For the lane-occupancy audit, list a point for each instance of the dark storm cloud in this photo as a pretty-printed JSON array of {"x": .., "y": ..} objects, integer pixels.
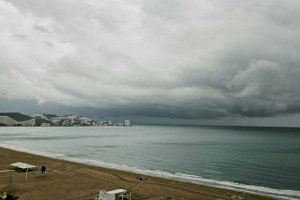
[{"x": 161, "y": 58}]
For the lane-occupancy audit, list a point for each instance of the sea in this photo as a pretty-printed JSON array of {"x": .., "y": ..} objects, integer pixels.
[{"x": 248, "y": 159}]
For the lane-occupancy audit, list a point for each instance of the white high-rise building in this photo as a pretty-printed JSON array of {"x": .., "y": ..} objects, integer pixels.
[{"x": 127, "y": 123}]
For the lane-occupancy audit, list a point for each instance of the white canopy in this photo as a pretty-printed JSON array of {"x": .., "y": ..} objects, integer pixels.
[
  {"x": 21, "y": 165},
  {"x": 117, "y": 191}
]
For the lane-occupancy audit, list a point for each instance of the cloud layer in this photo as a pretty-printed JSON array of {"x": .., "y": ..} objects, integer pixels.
[{"x": 159, "y": 58}]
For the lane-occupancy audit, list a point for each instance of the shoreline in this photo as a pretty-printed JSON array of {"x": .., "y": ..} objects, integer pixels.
[
  {"x": 114, "y": 178},
  {"x": 184, "y": 178}
]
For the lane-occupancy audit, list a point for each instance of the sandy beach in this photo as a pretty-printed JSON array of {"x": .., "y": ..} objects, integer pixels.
[{"x": 69, "y": 180}]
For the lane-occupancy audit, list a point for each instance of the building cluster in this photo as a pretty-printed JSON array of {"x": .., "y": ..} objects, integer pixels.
[{"x": 45, "y": 120}]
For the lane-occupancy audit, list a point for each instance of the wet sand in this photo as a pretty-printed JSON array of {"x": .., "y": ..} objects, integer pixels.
[{"x": 69, "y": 180}]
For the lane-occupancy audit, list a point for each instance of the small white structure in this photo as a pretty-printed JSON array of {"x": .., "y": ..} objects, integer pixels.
[
  {"x": 45, "y": 124},
  {"x": 57, "y": 119},
  {"x": 127, "y": 123},
  {"x": 20, "y": 166},
  {"x": 72, "y": 117},
  {"x": 119, "y": 194},
  {"x": 30, "y": 122}
]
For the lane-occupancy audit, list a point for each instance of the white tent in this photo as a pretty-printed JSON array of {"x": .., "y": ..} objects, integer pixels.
[
  {"x": 118, "y": 194},
  {"x": 22, "y": 166}
]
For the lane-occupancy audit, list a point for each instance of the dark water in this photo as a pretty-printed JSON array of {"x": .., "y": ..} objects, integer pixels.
[{"x": 267, "y": 157}]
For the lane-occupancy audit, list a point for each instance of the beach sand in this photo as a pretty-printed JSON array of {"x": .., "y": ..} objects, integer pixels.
[{"x": 69, "y": 180}]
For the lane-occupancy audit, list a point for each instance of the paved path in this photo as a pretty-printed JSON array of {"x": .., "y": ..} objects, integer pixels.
[{"x": 3, "y": 171}]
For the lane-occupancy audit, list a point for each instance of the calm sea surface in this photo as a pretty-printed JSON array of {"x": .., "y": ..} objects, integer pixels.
[{"x": 268, "y": 157}]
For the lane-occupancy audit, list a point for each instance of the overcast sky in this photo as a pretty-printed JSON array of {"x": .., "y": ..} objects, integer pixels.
[{"x": 161, "y": 59}]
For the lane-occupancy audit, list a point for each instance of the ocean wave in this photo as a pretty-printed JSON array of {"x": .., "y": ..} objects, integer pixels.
[{"x": 260, "y": 190}]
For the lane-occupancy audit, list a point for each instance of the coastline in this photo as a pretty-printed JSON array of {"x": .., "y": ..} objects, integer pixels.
[{"x": 73, "y": 179}]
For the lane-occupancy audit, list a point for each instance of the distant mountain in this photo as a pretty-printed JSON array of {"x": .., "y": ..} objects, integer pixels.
[{"x": 19, "y": 117}]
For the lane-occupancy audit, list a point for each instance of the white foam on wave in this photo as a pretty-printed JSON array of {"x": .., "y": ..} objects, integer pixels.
[{"x": 260, "y": 190}]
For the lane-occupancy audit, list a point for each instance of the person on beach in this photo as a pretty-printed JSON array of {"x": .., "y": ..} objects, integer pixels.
[{"x": 43, "y": 170}]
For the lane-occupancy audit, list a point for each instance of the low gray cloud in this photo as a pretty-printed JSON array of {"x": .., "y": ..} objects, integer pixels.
[{"x": 162, "y": 58}]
